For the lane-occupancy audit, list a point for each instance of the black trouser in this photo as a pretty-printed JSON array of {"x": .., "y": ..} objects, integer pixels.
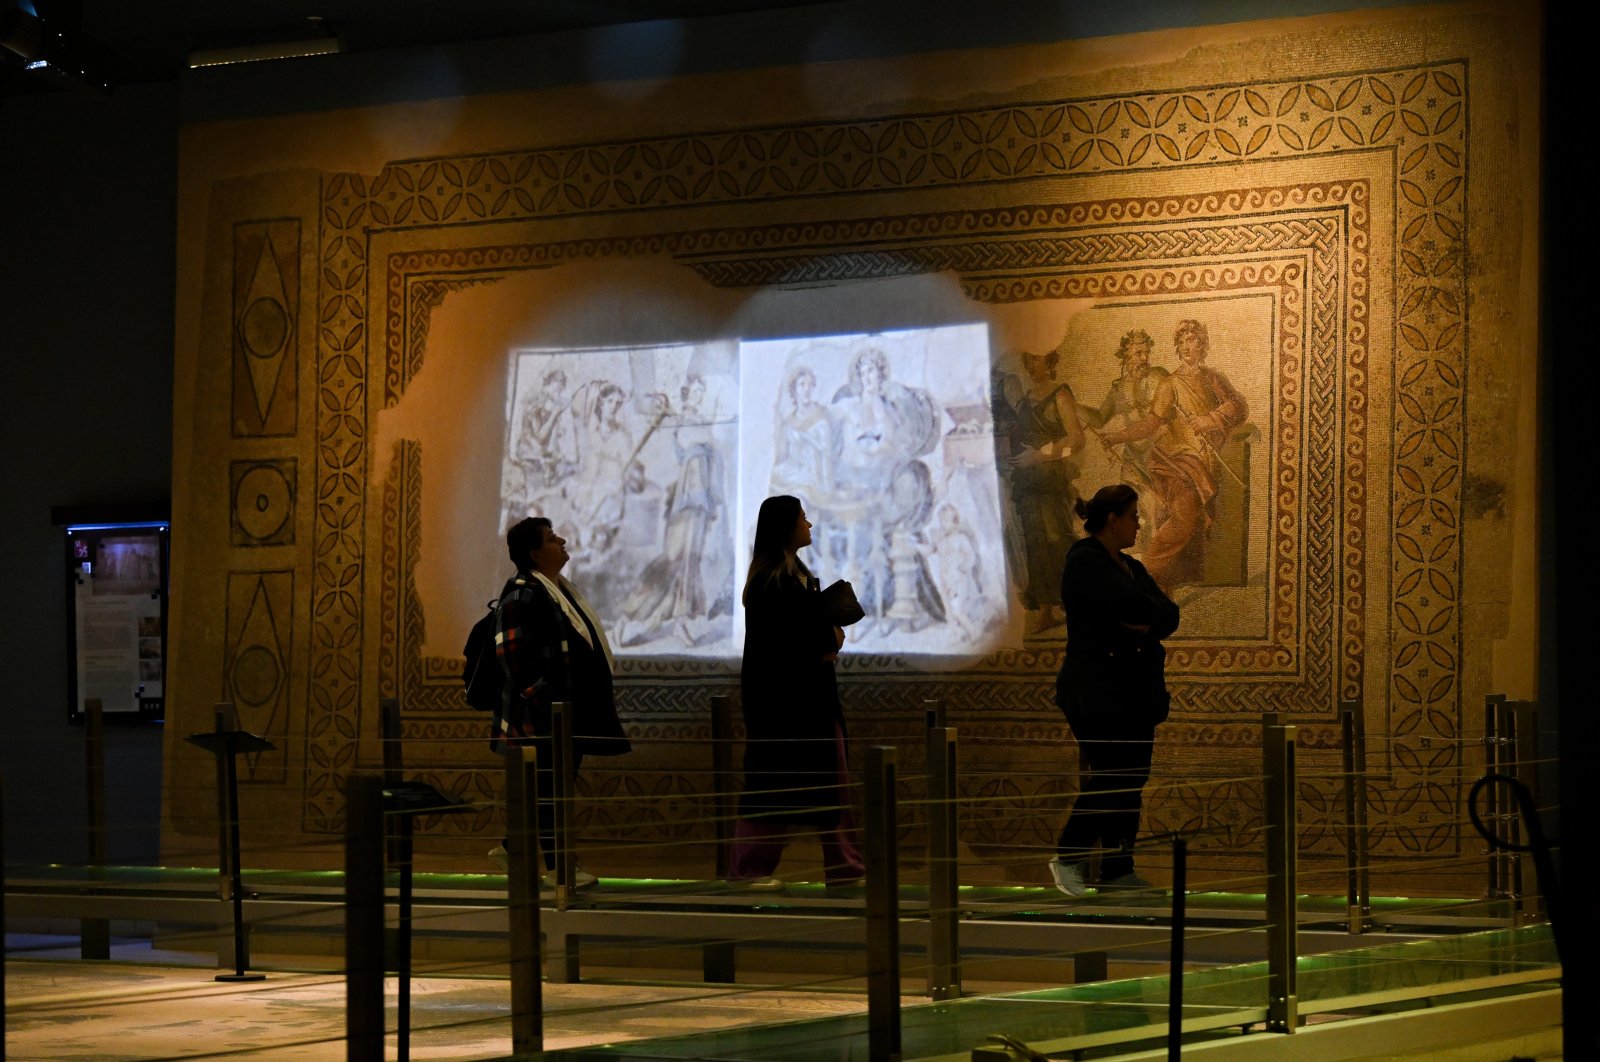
[
  {"x": 1113, "y": 765},
  {"x": 544, "y": 779}
]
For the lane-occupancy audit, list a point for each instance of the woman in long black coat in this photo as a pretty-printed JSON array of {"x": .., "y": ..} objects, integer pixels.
[
  {"x": 794, "y": 763},
  {"x": 1112, "y": 688}
]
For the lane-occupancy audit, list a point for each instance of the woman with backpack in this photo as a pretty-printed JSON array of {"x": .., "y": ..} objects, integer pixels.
[{"x": 551, "y": 644}]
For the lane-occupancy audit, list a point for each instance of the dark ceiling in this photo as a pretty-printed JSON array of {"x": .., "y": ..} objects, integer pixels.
[{"x": 132, "y": 41}]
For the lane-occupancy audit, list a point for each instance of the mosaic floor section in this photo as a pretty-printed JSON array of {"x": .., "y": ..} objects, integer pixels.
[{"x": 104, "y": 1011}]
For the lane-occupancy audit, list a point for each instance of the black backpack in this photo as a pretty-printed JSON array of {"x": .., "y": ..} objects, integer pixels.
[{"x": 483, "y": 676}]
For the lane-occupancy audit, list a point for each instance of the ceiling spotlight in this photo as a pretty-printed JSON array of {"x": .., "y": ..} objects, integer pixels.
[
  {"x": 24, "y": 35},
  {"x": 295, "y": 43},
  {"x": 56, "y": 47}
]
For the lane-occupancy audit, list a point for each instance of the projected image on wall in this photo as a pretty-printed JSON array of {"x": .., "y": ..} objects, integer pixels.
[
  {"x": 652, "y": 462},
  {"x": 888, "y": 441},
  {"x": 630, "y": 452}
]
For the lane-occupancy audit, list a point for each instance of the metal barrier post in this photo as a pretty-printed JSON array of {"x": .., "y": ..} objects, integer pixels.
[
  {"x": 1358, "y": 888},
  {"x": 1522, "y": 718},
  {"x": 883, "y": 907},
  {"x": 522, "y": 831},
  {"x": 389, "y": 737},
  {"x": 94, "y": 934},
  {"x": 944, "y": 939},
  {"x": 1090, "y": 966},
  {"x": 722, "y": 799},
  {"x": 1282, "y": 834},
  {"x": 562, "y": 785},
  {"x": 561, "y": 954},
  {"x": 2, "y": 920},
  {"x": 398, "y": 832},
  {"x": 229, "y": 741},
  {"x": 228, "y": 954},
  {"x": 363, "y": 918},
  {"x": 1180, "y": 886},
  {"x": 1499, "y": 886},
  {"x": 717, "y": 957}
]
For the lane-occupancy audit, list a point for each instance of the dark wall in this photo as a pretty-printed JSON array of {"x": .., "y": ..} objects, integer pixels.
[{"x": 86, "y": 291}]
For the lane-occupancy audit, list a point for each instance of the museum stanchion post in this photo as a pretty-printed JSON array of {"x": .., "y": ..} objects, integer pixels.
[
  {"x": 1511, "y": 750},
  {"x": 403, "y": 801},
  {"x": 522, "y": 880},
  {"x": 2, "y": 918},
  {"x": 1180, "y": 920},
  {"x": 561, "y": 954},
  {"x": 944, "y": 897},
  {"x": 1282, "y": 829},
  {"x": 722, "y": 795},
  {"x": 718, "y": 956},
  {"x": 94, "y": 934},
  {"x": 883, "y": 907},
  {"x": 1525, "y": 882},
  {"x": 226, "y": 743},
  {"x": 363, "y": 918},
  {"x": 1496, "y": 809},
  {"x": 1358, "y": 885}
]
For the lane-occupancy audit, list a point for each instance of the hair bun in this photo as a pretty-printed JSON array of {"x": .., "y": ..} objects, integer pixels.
[{"x": 1115, "y": 498}]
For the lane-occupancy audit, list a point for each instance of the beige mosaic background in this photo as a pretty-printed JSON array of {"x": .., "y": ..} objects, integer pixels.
[{"x": 1344, "y": 202}]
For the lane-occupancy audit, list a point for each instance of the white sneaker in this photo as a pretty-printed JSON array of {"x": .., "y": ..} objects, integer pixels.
[
  {"x": 1069, "y": 878},
  {"x": 767, "y": 884},
  {"x": 1133, "y": 885},
  {"x": 581, "y": 879}
]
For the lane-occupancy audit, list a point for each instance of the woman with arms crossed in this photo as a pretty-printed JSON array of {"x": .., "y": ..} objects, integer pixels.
[
  {"x": 1112, "y": 689},
  {"x": 794, "y": 760}
]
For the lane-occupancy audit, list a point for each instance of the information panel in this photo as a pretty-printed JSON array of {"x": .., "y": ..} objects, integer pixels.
[{"x": 118, "y": 602}]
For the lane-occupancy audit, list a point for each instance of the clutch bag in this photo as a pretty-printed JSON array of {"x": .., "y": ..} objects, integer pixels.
[{"x": 839, "y": 601}]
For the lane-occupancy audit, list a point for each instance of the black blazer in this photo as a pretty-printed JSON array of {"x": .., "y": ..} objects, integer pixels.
[
  {"x": 1111, "y": 674},
  {"x": 790, "y": 700}
]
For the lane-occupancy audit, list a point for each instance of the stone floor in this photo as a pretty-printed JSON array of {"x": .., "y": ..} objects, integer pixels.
[{"x": 146, "y": 1004}]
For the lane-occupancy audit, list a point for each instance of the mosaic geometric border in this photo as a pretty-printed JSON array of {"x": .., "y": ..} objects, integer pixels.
[{"x": 1417, "y": 115}]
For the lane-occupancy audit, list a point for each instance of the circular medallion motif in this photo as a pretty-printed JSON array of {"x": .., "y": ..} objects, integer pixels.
[
  {"x": 261, "y": 502},
  {"x": 264, "y": 326},
  {"x": 256, "y": 675}
]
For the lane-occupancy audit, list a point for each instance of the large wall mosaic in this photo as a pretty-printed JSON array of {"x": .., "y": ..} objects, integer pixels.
[{"x": 1326, "y": 216}]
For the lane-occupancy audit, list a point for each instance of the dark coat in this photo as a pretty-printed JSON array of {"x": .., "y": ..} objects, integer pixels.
[
  {"x": 790, "y": 699},
  {"x": 529, "y": 631},
  {"x": 1113, "y": 680}
]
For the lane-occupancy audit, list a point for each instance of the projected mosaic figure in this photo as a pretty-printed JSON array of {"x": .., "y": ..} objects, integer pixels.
[
  {"x": 1126, "y": 403},
  {"x": 544, "y": 443},
  {"x": 880, "y": 487},
  {"x": 876, "y": 432},
  {"x": 1195, "y": 411},
  {"x": 1044, "y": 430},
  {"x": 803, "y": 441},
  {"x": 596, "y": 492},
  {"x": 956, "y": 555},
  {"x": 689, "y": 584}
]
